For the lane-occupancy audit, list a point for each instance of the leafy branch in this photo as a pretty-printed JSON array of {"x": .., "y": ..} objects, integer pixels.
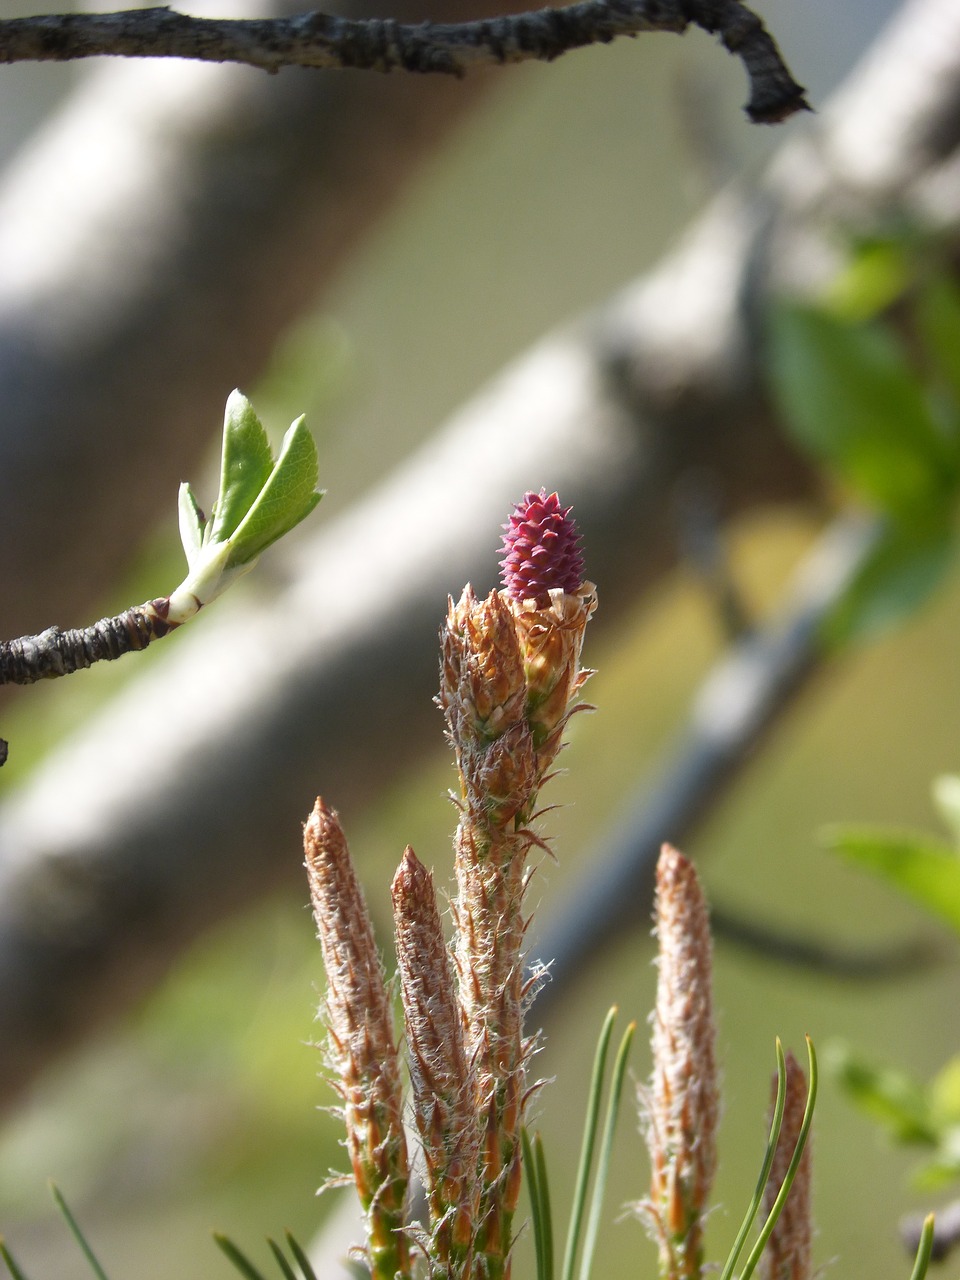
[
  {"x": 323, "y": 41},
  {"x": 260, "y": 500}
]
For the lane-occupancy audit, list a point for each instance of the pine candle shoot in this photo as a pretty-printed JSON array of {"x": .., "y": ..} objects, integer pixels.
[{"x": 510, "y": 678}]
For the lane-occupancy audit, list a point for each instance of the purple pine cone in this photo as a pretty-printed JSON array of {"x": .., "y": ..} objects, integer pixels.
[{"x": 541, "y": 549}]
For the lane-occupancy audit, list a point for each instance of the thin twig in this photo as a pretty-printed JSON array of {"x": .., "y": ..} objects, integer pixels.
[
  {"x": 322, "y": 40},
  {"x": 55, "y": 653}
]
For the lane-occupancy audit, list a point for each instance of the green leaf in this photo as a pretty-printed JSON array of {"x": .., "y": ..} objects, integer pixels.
[
  {"x": 877, "y": 274},
  {"x": 946, "y": 797},
  {"x": 287, "y": 496},
  {"x": 192, "y": 523},
  {"x": 898, "y": 1102},
  {"x": 851, "y": 400},
  {"x": 238, "y": 1258},
  {"x": 900, "y": 574},
  {"x": 921, "y": 867},
  {"x": 245, "y": 465}
]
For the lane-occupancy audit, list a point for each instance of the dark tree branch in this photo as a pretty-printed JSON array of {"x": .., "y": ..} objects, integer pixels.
[
  {"x": 56, "y": 652},
  {"x": 322, "y": 40}
]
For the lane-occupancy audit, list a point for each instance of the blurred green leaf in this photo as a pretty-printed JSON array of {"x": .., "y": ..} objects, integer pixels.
[
  {"x": 945, "y": 1092},
  {"x": 876, "y": 274},
  {"x": 851, "y": 400},
  {"x": 901, "y": 573},
  {"x": 892, "y": 1097},
  {"x": 946, "y": 797},
  {"x": 938, "y": 321},
  {"x": 245, "y": 465},
  {"x": 923, "y": 868}
]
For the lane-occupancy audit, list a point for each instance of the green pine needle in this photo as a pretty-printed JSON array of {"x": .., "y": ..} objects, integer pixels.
[
  {"x": 606, "y": 1150},
  {"x": 282, "y": 1263},
  {"x": 77, "y": 1234},
  {"x": 238, "y": 1258},
  {"x": 589, "y": 1142},
  {"x": 924, "y": 1249},
  {"x": 539, "y": 1193},
  {"x": 303, "y": 1262},
  {"x": 778, "y": 1204},
  {"x": 772, "y": 1140},
  {"x": 12, "y": 1265}
]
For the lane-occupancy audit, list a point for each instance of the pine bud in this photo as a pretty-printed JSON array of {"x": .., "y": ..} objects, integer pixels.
[
  {"x": 361, "y": 1048},
  {"x": 541, "y": 550},
  {"x": 682, "y": 1103}
]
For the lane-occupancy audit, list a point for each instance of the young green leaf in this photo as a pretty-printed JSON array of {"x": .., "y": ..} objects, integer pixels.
[
  {"x": 287, "y": 496},
  {"x": 921, "y": 867},
  {"x": 192, "y": 523},
  {"x": 259, "y": 501},
  {"x": 245, "y": 465}
]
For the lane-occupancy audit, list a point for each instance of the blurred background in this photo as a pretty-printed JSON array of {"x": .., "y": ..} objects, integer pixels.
[{"x": 189, "y": 1102}]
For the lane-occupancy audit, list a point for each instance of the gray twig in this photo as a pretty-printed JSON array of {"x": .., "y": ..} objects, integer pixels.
[
  {"x": 55, "y": 652},
  {"x": 322, "y": 40}
]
